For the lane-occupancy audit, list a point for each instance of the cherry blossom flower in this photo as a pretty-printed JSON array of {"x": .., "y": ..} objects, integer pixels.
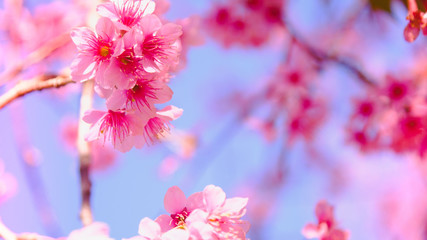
[
  {"x": 126, "y": 13},
  {"x": 161, "y": 46},
  {"x": 326, "y": 229},
  {"x": 158, "y": 126},
  {"x": 95, "y": 51},
  {"x": 142, "y": 96},
  {"x": 220, "y": 215},
  {"x": 117, "y": 127},
  {"x": 204, "y": 215}
]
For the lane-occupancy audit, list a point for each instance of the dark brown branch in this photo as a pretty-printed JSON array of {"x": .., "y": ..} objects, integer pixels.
[{"x": 36, "y": 84}]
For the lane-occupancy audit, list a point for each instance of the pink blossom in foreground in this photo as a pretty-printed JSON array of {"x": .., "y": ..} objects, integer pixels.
[
  {"x": 95, "y": 51},
  {"x": 158, "y": 126},
  {"x": 116, "y": 127},
  {"x": 326, "y": 228},
  {"x": 130, "y": 56},
  {"x": 126, "y": 13},
  {"x": 204, "y": 215},
  {"x": 142, "y": 96},
  {"x": 161, "y": 46}
]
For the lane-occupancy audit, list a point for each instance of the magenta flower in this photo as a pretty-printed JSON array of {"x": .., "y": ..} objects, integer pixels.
[
  {"x": 125, "y": 66},
  {"x": 119, "y": 128},
  {"x": 126, "y": 13},
  {"x": 326, "y": 229},
  {"x": 221, "y": 215},
  {"x": 158, "y": 126},
  {"x": 161, "y": 46},
  {"x": 141, "y": 97},
  {"x": 179, "y": 207},
  {"x": 95, "y": 50}
]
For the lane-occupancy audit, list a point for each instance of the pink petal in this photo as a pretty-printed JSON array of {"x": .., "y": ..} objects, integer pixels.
[
  {"x": 107, "y": 10},
  {"x": 83, "y": 68},
  {"x": 214, "y": 197},
  {"x": 164, "y": 94},
  {"x": 410, "y": 33},
  {"x": 80, "y": 37},
  {"x": 235, "y": 205},
  {"x": 150, "y": 24},
  {"x": 117, "y": 100},
  {"x": 164, "y": 222},
  {"x": 149, "y": 228},
  {"x": 171, "y": 31},
  {"x": 311, "y": 231},
  {"x": 174, "y": 200},
  {"x": 176, "y": 234},
  {"x": 92, "y": 116},
  {"x": 195, "y": 201},
  {"x": 170, "y": 113},
  {"x": 105, "y": 28}
]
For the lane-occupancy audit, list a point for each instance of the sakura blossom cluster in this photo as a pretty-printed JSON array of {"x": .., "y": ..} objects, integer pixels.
[
  {"x": 326, "y": 227},
  {"x": 392, "y": 116},
  {"x": 203, "y": 215},
  {"x": 130, "y": 57},
  {"x": 417, "y": 21},
  {"x": 245, "y": 22},
  {"x": 291, "y": 103}
]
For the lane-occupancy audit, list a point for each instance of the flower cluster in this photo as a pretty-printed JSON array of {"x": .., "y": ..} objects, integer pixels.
[
  {"x": 253, "y": 21},
  {"x": 203, "y": 215},
  {"x": 326, "y": 228},
  {"x": 130, "y": 56},
  {"x": 392, "y": 116}
]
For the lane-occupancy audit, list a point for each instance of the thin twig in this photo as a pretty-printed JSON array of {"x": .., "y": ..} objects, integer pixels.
[
  {"x": 36, "y": 84},
  {"x": 5, "y": 232},
  {"x": 321, "y": 56},
  {"x": 30, "y": 166},
  {"x": 38, "y": 55},
  {"x": 86, "y": 102}
]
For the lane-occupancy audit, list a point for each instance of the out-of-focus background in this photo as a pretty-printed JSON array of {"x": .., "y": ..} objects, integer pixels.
[{"x": 363, "y": 187}]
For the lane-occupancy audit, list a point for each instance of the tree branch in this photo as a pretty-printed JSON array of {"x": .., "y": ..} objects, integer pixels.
[
  {"x": 38, "y": 55},
  {"x": 321, "y": 56},
  {"x": 5, "y": 232},
  {"x": 83, "y": 147},
  {"x": 36, "y": 84}
]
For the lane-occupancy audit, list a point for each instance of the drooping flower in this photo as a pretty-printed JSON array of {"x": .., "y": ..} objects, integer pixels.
[
  {"x": 158, "y": 126},
  {"x": 119, "y": 128}
]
